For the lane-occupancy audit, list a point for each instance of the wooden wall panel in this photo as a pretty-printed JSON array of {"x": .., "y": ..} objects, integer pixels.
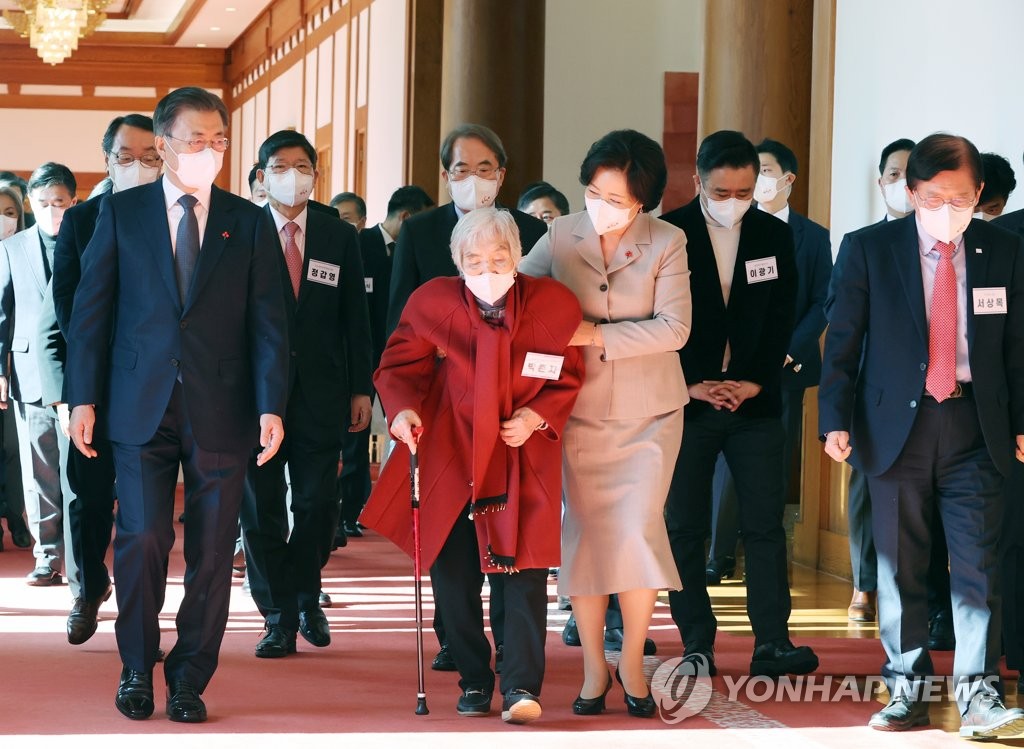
[
  {"x": 679, "y": 137},
  {"x": 285, "y": 17}
]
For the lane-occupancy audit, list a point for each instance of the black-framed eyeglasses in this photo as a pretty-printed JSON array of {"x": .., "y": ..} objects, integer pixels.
[
  {"x": 217, "y": 144},
  {"x": 126, "y": 159}
]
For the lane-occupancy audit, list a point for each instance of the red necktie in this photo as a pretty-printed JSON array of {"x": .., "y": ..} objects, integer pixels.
[
  {"x": 292, "y": 258},
  {"x": 942, "y": 334}
]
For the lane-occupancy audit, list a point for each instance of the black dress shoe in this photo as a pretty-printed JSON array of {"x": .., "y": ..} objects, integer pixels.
[
  {"x": 160, "y": 655},
  {"x": 325, "y": 600},
  {"x": 520, "y": 706},
  {"x": 21, "y": 537},
  {"x": 613, "y": 641},
  {"x": 940, "y": 632},
  {"x": 443, "y": 661},
  {"x": 591, "y": 705},
  {"x": 474, "y": 703},
  {"x": 134, "y": 697},
  {"x": 701, "y": 658},
  {"x": 82, "y": 620},
  {"x": 184, "y": 705},
  {"x": 340, "y": 539},
  {"x": 719, "y": 568},
  {"x": 988, "y": 718},
  {"x": 901, "y": 714},
  {"x": 43, "y": 577},
  {"x": 570, "y": 634},
  {"x": 352, "y": 530},
  {"x": 276, "y": 643},
  {"x": 314, "y": 628},
  {"x": 780, "y": 657},
  {"x": 640, "y": 707},
  {"x": 499, "y": 658}
]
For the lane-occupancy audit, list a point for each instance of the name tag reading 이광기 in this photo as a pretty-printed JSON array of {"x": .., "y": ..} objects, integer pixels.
[
  {"x": 325, "y": 273},
  {"x": 763, "y": 269},
  {"x": 990, "y": 301},
  {"x": 542, "y": 366}
]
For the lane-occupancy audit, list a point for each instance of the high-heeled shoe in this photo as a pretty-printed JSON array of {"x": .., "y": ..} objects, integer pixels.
[
  {"x": 641, "y": 707},
  {"x": 591, "y": 705}
]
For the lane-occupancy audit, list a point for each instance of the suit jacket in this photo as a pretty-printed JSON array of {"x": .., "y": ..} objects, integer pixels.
[
  {"x": 377, "y": 271},
  {"x": 22, "y": 285},
  {"x": 444, "y": 314},
  {"x": 76, "y": 230},
  {"x": 641, "y": 301},
  {"x": 813, "y": 251},
  {"x": 328, "y": 326},
  {"x": 424, "y": 251},
  {"x": 1013, "y": 221},
  {"x": 758, "y": 321},
  {"x": 837, "y": 272},
  {"x": 876, "y": 347},
  {"x": 51, "y": 351},
  {"x": 130, "y": 337}
]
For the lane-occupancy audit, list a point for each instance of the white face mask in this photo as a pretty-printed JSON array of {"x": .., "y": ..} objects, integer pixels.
[
  {"x": 896, "y": 197},
  {"x": 767, "y": 188},
  {"x": 473, "y": 192},
  {"x": 48, "y": 219},
  {"x": 490, "y": 287},
  {"x": 944, "y": 223},
  {"x": 727, "y": 212},
  {"x": 8, "y": 226},
  {"x": 290, "y": 188},
  {"x": 133, "y": 175},
  {"x": 197, "y": 170},
  {"x": 606, "y": 217},
  {"x": 984, "y": 216}
]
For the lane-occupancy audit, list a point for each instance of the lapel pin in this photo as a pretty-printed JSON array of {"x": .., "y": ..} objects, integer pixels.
[
  {"x": 225, "y": 235},
  {"x": 629, "y": 254}
]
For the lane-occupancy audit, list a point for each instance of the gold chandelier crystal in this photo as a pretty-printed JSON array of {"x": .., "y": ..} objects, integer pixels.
[{"x": 53, "y": 27}]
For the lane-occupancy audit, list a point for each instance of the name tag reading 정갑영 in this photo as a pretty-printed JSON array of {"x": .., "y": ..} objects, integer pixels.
[
  {"x": 325, "y": 273},
  {"x": 990, "y": 300},
  {"x": 763, "y": 269},
  {"x": 542, "y": 366}
]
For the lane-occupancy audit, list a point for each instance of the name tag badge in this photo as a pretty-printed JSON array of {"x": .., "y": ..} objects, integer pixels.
[
  {"x": 325, "y": 273},
  {"x": 542, "y": 366},
  {"x": 763, "y": 269},
  {"x": 369, "y": 285},
  {"x": 990, "y": 301}
]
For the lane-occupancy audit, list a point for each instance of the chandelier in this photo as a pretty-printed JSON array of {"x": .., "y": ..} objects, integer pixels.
[{"x": 53, "y": 27}]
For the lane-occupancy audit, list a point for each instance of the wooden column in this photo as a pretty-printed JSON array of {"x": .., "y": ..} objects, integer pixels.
[
  {"x": 493, "y": 74},
  {"x": 757, "y": 75},
  {"x": 423, "y": 93}
]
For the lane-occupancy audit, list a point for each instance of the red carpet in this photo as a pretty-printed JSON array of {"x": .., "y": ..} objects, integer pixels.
[{"x": 365, "y": 682}]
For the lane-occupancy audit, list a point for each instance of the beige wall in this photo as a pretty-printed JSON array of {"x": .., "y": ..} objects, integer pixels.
[{"x": 604, "y": 69}]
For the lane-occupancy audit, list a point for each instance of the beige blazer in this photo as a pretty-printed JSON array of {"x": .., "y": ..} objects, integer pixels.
[{"x": 642, "y": 303}]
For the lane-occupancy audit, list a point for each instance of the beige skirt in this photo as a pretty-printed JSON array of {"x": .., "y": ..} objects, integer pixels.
[{"x": 615, "y": 480}]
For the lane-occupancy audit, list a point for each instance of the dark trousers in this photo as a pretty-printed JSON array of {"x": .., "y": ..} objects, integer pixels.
[
  {"x": 495, "y": 611},
  {"x": 944, "y": 468},
  {"x": 90, "y": 513},
  {"x": 284, "y": 569},
  {"x": 725, "y": 518},
  {"x": 457, "y": 583},
  {"x": 863, "y": 559},
  {"x": 1011, "y": 567},
  {"x": 753, "y": 448},
  {"x": 354, "y": 482},
  {"x": 147, "y": 476}
]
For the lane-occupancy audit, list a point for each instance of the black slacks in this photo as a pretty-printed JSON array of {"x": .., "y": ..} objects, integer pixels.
[
  {"x": 457, "y": 583},
  {"x": 944, "y": 468},
  {"x": 90, "y": 511},
  {"x": 753, "y": 449},
  {"x": 147, "y": 476}
]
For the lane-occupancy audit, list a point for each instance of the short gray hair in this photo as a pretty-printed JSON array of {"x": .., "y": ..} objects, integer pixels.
[
  {"x": 470, "y": 130},
  {"x": 481, "y": 225}
]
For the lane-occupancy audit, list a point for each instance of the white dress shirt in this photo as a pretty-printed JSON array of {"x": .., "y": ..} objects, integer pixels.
[
  {"x": 726, "y": 244},
  {"x": 300, "y": 236},
  {"x": 782, "y": 214},
  {"x": 174, "y": 210},
  {"x": 929, "y": 264}
]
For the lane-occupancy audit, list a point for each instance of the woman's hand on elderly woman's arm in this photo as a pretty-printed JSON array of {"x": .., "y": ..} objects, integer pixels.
[
  {"x": 406, "y": 427},
  {"x": 523, "y": 423},
  {"x": 587, "y": 334}
]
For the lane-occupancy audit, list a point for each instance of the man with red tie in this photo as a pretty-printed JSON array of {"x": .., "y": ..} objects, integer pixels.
[{"x": 922, "y": 389}]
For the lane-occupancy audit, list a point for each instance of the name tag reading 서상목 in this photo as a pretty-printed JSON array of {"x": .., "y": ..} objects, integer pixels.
[
  {"x": 369, "y": 285},
  {"x": 990, "y": 300},
  {"x": 763, "y": 269},
  {"x": 324, "y": 273},
  {"x": 542, "y": 366}
]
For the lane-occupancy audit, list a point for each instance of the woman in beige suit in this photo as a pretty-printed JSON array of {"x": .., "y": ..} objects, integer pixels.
[{"x": 629, "y": 272}]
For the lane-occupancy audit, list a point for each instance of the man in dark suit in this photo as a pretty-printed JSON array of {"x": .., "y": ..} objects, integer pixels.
[
  {"x": 744, "y": 283},
  {"x": 922, "y": 389},
  {"x": 473, "y": 166},
  {"x": 378, "y": 248},
  {"x": 179, "y": 336},
  {"x": 26, "y": 264},
  {"x": 131, "y": 160},
  {"x": 321, "y": 277},
  {"x": 802, "y": 367}
]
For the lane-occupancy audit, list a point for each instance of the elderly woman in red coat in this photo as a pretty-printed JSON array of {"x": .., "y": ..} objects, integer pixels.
[{"x": 482, "y": 363}]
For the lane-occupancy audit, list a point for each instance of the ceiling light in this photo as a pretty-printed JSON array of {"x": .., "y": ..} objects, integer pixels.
[{"x": 53, "y": 27}]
